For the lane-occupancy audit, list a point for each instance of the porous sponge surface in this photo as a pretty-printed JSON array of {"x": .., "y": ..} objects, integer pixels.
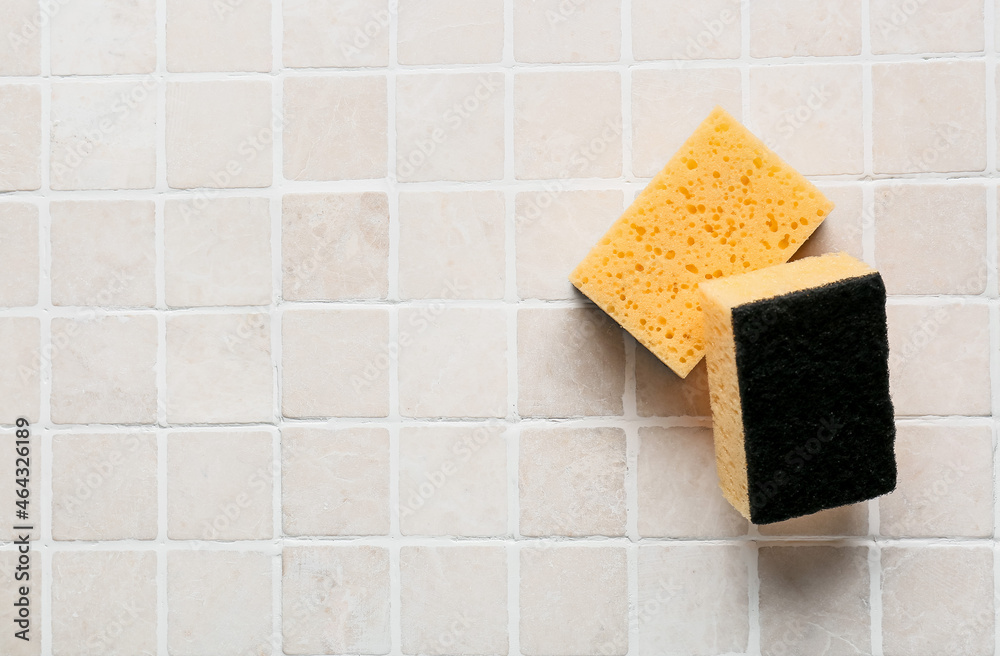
[{"x": 723, "y": 204}]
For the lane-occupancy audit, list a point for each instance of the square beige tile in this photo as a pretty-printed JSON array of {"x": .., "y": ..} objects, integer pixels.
[
  {"x": 572, "y": 481},
  {"x": 552, "y": 31},
  {"x": 679, "y": 495},
  {"x": 21, "y": 134},
  {"x": 103, "y": 253},
  {"x": 938, "y": 359},
  {"x": 451, "y": 244},
  {"x": 18, "y": 254},
  {"x": 931, "y": 238},
  {"x": 335, "y": 363},
  {"x": 316, "y": 148},
  {"x": 945, "y": 483},
  {"x": 103, "y": 135},
  {"x": 335, "y": 600},
  {"x": 219, "y": 486},
  {"x": 554, "y": 230},
  {"x": 218, "y": 36},
  {"x": 104, "y": 487},
  {"x": 103, "y": 370},
  {"x": 843, "y": 520},
  {"x": 567, "y": 125},
  {"x": 104, "y": 602},
  {"x": 450, "y": 31},
  {"x": 350, "y": 465},
  {"x": 810, "y": 115},
  {"x": 660, "y": 125},
  {"x": 937, "y": 599},
  {"x": 20, "y": 52},
  {"x": 942, "y": 124},
  {"x": 574, "y": 600},
  {"x": 453, "y": 600},
  {"x": 219, "y": 369},
  {"x": 453, "y": 480},
  {"x": 842, "y": 228},
  {"x": 347, "y": 33},
  {"x": 10, "y": 593},
  {"x": 814, "y": 600},
  {"x": 693, "y": 599},
  {"x": 450, "y": 126},
  {"x": 109, "y": 38},
  {"x": 217, "y": 252},
  {"x": 675, "y": 29},
  {"x": 452, "y": 362},
  {"x": 11, "y": 475},
  {"x": 659, "y": 392},
  {"x": 219, "y": 134},
  {"x": 927, "y": 26},
  {"x": 335, "y": 246},
  {"x": 219, "y": 602},
  {"x": 785, "y": 28},
  {"x": 570, "y": 362},
  {"x": 20, "y": 368}
]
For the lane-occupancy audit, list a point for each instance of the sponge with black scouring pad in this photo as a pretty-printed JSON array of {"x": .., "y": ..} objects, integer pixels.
[{"x": 799, "y": 380}]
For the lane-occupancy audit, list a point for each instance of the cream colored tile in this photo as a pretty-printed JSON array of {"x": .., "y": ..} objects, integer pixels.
[
  {"x": 219, "y": 486},
  {"x": 572, "y": 481},
  {"x": 937, "y": 599},
  {"x": 21, "y": 135},
  {"x": 554, "y": 230},
  {"x": 942, "y": 124},
  {"x": 843, "y": 520},
  {"x": 20, "y": 51},
  {"x": 219, "y": 368},
  {"x": 574, "y": 600},
  {"x": 103, "y": 370},
  {"x": 693, "y": 599},
  {"x": 674, "y": 29},
  {"x": 103, "y": 253},
  {"x": 453, "y": 480},
  {"x": 450, "y": 31},
  {"x": 450, "y": 127},
  {"x": 938, "y": 359},
  {"x": 567, "y": 125},
  {"x": 104, "y": 602},
  {"x": 217, "y": 252},
  {"x": 842, "y": 228},
  {"x": 335, "y": 600},
  {"x": 219, "y": 134},
  {"x": 350, "y": 465},
  {"x": 18, "y": 254},
  {"x": 554, "y": 31},
  {"x": 570, "y": 361},
  {"x": 219, "y": 602},
  {"x": 945, "y": 485},
  {"x": 347, "y": 33},
  {"x": 931, "y": 238},
  {"x": 104, "y": 487},
  {"x": 814, "y": 600},
  {"x": 335, "y": 128},
  {"x": 810, "y": 115},
  {"x": 453, "y": 600},
  {"x": 20, "y": 366},
  {"x": 10, "y": 594},
  {"x": 451, "y": 244},
  {"x": 660, "y": 124},
  {"x": 107, "y": 38},
  {"x": 233, "y": 35},
  {"x": 335, "y": 363},
  {"x": 335, "y": 246},
  {"x": 679, "y": 495},
  {"x": 659, "y": 392},
  {"x": 11, "y": 483},
  {"x": 926, "y": 26},
  {"x": 785, "y": 28},
  {"x": 103, "y": 135},
  {"x": 452, "y": 362}
]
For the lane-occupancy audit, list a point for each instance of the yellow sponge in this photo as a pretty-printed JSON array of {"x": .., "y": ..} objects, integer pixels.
[{"x": 723, "y": 204}]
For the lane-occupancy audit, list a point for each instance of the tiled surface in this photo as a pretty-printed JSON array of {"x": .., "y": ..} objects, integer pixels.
[{"x": 283, "y": 293}]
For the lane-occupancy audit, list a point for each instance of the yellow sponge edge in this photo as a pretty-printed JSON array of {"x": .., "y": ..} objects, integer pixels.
[{"x": 723, "y": 204}]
